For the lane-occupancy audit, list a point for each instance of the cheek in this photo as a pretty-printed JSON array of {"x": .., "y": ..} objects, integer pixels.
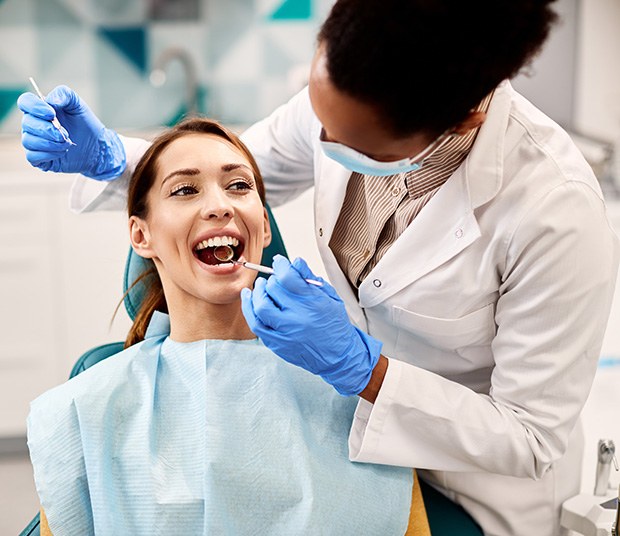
[
  {"x": 256, "y": 229},
  {"x": 167, "y": 228}
]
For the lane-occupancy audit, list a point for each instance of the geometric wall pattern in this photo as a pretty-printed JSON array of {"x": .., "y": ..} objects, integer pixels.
[{"x": 246, "y": 55}]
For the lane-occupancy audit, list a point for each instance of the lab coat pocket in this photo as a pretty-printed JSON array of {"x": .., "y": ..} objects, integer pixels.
[{"x": 452, "y": 334}]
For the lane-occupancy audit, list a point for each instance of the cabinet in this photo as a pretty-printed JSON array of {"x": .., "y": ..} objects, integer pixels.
[{"x": 60, "y": 281}]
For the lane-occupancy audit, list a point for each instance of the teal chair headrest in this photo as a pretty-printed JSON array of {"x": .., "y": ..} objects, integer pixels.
[{"x": 135, "y": 266}]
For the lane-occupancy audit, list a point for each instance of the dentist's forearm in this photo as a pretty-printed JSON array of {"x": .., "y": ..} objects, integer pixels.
[{"x": 371, "y": 391}]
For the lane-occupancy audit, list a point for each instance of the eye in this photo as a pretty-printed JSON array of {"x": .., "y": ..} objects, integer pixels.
[
  {"x": 241, "y": 185},
  {"x": 181, "y": 190}
]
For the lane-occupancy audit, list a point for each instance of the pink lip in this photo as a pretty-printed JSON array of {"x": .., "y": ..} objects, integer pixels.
[{"x": 219, "y": 269}]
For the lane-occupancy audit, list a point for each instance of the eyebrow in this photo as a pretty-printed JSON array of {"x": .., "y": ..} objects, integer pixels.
[
  {"x": 187, "y": 172},
  {"x": 190, "y": 172},
  {"x": 233, "y": 167}
]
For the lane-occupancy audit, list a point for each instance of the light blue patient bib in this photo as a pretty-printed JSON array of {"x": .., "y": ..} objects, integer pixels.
[{"x": 211, "y": 437}]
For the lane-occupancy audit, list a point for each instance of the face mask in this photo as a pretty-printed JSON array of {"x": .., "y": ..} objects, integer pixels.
[{"x": 360, "y": 163}]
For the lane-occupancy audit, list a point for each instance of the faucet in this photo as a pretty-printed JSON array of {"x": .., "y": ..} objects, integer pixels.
[{"x": 158, "y": 75}]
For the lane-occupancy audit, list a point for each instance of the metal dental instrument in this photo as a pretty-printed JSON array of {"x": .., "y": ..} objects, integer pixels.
[
  {"x": 225, "y": 254},
  {"x": 615, "y": 529},
  {"x": 55, "y": 121},
  {"x": 606, "y": 455}
]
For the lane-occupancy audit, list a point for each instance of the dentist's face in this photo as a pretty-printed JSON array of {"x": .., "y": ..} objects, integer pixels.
[{"x": 204, "y": 195}]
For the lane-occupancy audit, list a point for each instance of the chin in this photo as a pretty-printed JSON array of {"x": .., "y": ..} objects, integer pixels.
[{"x": 228, "y": 296}]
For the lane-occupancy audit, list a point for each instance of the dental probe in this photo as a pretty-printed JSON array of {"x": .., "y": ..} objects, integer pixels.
[
  {"x": 55, "y": 121},
  {"x": 225, "y": 253},
  {"x": 268, "y": 270}
]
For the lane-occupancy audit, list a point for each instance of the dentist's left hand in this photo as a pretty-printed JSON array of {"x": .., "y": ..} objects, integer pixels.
[
  {"x": 308, "y": 326},
  {"x": 98, "y": 152}
]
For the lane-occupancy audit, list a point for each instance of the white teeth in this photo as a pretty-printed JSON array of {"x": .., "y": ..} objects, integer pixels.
[{"x": 218, "y": 241}]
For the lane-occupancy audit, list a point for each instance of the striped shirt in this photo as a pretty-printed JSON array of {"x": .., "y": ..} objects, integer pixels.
[{"x": 376, "y": 210}]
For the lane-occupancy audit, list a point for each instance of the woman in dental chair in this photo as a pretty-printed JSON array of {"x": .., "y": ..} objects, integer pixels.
[{"x": 196, "y": 427}]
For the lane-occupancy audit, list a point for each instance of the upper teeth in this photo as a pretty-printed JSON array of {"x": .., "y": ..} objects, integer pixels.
[{"x": 218, "y": 241}]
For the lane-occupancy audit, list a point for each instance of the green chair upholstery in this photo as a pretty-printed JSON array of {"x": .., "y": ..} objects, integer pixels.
[{"x": 445, "y": 517}]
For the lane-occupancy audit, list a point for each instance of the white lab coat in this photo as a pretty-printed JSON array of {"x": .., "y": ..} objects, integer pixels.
[{"x": 491, "y": 306}]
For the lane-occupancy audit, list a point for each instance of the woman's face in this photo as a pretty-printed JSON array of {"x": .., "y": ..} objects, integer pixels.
[{"x": 204, "y": 195}]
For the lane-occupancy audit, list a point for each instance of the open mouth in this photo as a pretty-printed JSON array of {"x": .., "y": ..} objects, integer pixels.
[{"x": 218, "y": 250}]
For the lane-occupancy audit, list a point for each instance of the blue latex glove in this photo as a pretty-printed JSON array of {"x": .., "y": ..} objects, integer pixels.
[
  {"x": 308, "y": 326},
  {"x": 98, "y": 152}
]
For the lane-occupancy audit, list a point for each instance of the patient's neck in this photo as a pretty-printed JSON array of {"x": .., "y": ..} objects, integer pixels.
[{"x": 194, "y": 322}]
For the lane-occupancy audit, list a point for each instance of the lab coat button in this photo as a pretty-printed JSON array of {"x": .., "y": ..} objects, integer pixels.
[
  {"x": 459, "y": 233},
  {"x": 320, "y": 231},
  {"x": 377, "y": 283}
]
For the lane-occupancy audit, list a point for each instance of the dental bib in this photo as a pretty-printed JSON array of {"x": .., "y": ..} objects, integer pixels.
[{"x": 210, "y": 437}]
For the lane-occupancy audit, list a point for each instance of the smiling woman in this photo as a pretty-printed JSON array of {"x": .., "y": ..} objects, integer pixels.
[
  {"x": 197, "y": 428},
  {"x": 197, "y": 189}
]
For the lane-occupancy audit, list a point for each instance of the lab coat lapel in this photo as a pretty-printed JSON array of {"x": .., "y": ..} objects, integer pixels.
[
  {"x": 443, "y": 228},
  {"x": 329, "y": 195}
]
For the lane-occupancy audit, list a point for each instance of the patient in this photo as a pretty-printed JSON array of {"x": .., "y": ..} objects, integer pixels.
[{"x": 196, "y": 427}]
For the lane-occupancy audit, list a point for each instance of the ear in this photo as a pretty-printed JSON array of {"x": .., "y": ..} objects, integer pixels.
[
  {"x": 266, "y": 229},
  {"x": 140, "y": 237},
  {"x": 473, "y": 120}
]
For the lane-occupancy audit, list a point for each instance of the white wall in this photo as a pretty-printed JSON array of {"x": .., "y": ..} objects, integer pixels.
[
  {"x": 549, "y": 81},
  {"x": 576, "y": 78},
  {"x": 597, "y": 87}
]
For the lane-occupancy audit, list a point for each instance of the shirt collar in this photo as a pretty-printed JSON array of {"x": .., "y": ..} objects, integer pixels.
[
  {"x": 159, "y": 326},
  {"x": 443, "y": 163}
]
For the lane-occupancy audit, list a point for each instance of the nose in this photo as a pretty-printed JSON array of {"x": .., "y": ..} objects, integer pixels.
[{"x": 216, "y": 206}]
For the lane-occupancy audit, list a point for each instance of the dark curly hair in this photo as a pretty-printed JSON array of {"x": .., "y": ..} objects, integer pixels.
[{"x": 426, "y": 63}]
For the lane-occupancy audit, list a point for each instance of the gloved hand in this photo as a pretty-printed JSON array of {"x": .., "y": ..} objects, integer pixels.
[
  {"x": 98, "y": 152},
  {"x": 308, "y": 326}
]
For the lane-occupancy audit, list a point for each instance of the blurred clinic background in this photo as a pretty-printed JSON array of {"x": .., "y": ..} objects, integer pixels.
[{"x": 143, "y": 64}]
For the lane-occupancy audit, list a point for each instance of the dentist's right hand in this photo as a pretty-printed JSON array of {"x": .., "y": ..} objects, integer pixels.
[
  {"x": 98, "y": 152},
  {"x": 308, "y": 326}
]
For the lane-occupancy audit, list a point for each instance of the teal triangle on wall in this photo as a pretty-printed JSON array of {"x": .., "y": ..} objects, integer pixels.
[
  {"x": 131, "y": 42},
  {"x": 293, "y": 10},
  {"x": 8, "y": 100}
]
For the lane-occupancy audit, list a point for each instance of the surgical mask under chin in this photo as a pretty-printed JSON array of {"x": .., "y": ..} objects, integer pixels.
[{"x": 360, "y": 163}]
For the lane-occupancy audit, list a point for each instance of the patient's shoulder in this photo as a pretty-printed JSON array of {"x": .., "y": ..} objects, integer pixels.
[{"x": 104, "y": 376}]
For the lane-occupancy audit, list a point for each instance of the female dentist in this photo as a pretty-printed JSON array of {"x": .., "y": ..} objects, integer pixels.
[{"x": 465, "y": 235}]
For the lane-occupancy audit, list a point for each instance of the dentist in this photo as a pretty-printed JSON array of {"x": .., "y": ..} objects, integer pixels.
[{"x": 466, "y": 238}]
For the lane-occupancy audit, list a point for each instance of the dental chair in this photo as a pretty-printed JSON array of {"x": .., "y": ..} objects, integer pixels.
[{"x": 445, "y": 517}]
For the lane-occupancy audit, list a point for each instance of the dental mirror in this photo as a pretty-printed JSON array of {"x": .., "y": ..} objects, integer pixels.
[{"x": 223, "y": 253}]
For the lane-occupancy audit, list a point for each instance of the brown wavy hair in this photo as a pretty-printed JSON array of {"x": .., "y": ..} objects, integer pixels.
[{"x": 139, "y": 186}]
